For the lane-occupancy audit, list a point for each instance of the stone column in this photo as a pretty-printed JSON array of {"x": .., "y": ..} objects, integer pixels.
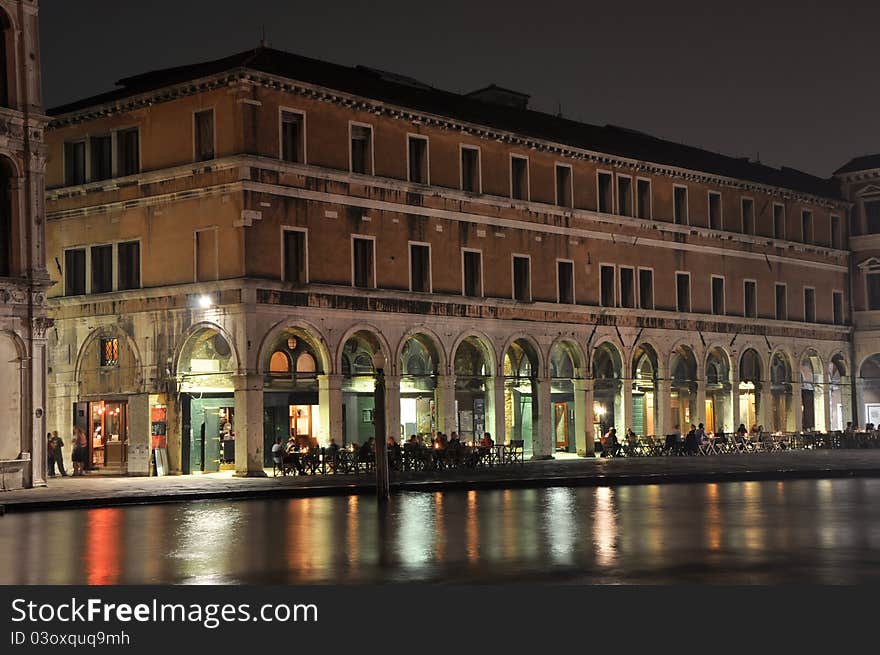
[
  {"x": 34, "y": 474},
  {"x": 543, "y": 439},
  {"x": 795, "y": 419},
  {"x": 583, "y": 417},
  {"x": 249, "y": 426},
  {"x": 330, "y": 409},
  {"x": 664, "y": 407},
  {"x": 627, "y": 408},
  {"x": 445, "y": 403},
  {"x": 139, "y": 434},
  {"x": 764, "y": 411},
  {"x": 846, "y": 406},
  {"x": 701, "y": 402},
  {"x": 858, "y": 413},
  {"x": 823, "y": 411},
  {"x": 392, "y": 407},
  {"x": 495, "y": 418}
]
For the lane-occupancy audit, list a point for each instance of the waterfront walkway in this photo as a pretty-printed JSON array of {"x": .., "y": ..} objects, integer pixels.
[{"x": 103, "y": 491}]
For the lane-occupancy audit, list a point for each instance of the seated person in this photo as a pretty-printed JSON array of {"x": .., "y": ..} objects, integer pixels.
[
  {"x": 331, "y": 453},
  {"x": 486, "y": 441},
  {"x": 292, "y": 456},
  {"x": 365, "y": 453},
  {"x": 278, "y": 453}
]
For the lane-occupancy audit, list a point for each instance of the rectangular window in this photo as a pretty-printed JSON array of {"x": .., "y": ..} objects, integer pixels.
[
  {"x": 204, "y": 126},
  {"x": 521, "y": 280},
  {"x": 470, "y": 169},
  {"x": 472, "y": 262},
  {"x": 873, "y": 282},
  {"x": 748, "y": 216},
  {"x": 128, "y": 257},
  {"x": 683, "y": 292},
  {"x": 563, "y": 186},
  {"x": 836, "y": 239},
  {"x": 565, "y": 282},
  {"x": 295, "y": 258},
  {"x": 624, "y": 196},
  {"x": 101, "y": 150},
  {"x": 715, "y": 211},
  {"x": 680, "y": 205},
  {"x": 519, "y": 178},
  {"x": 362, "y": 149},
  {"x": 363, "y": 263},
  {"x": 778, "y": 221},
  {"x": 809, "y": 305},
  {"x": 75, "y": 272},
  {"x": 750, "y": 299},
  {"x": 872, "y": 216},
  {"x": 606, "y": 199},
  {"x": 128, "y": 156},
  {"x": 643, "y": 198},
  {"x": 781, "y": 302},
  {"x": 807, "y": 226},
  {"x": 717, "y": 295},
  {"x": 837, "y": 307},
  {"x": 420, "y": 267},
  {"x": 102, "y": 269},
  {"x": 75, "y": 163},
  {"x": 646, "y": 288},
  {"x": 110, "y": 352},
  {"x": 606, "y": 282},
  {"x": 293, "y": 137},
  {"x": 627, "y": 287},
  {"x": 417, "y": 152}
]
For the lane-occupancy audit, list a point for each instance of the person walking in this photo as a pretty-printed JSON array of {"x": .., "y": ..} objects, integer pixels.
[
  {"x": 58, "y": 453},
  {"x": 50, "y": 455}
]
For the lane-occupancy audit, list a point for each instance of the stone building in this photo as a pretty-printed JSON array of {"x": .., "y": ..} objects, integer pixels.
[
  {"x": 23, "y": 277},
  {"x": 233, "y": 241},
  {"x": 860, "y": 184}
]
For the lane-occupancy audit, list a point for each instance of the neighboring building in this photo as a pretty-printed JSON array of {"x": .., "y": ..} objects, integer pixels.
[
  {"x": 860, "y": 184},
  {"x": 233, "y": 241},
  {"x": 23, "y": 277}
]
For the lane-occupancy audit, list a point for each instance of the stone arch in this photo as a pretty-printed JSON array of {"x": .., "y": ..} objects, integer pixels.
[
  {"x": 376, "y": 340},
  {"x": 782, "y": 402},
  {"x": 299, "y": 329},
  {"x": 206, "y": 360},
  {"x": 485, "y": 345},
  {"x": 12, "y": 381},
  {"x": 572, "y": 351},
  {"x": 11, "y": 235},
  {"x": 123, "y": 377},
  {"x": 607, "y": 370},
  {"x": 813, "y": 390},
  {"x": 198, "y": 327},
  {"x": 683, "y": 373},
  {"x": 429, "y": 339},
  {"x": 530, "y": 348},
  {"x": 718, "y": 369},
  {"x": 646, "y": 370}
]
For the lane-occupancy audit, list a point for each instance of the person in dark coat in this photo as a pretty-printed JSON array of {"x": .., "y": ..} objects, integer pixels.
[{"x": 58, "y": 454}]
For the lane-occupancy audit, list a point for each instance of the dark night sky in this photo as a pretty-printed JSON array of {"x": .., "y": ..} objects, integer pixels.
[{"x": 796, "y": 82}]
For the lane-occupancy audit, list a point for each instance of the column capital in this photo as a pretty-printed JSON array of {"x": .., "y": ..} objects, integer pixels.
[{"x": 248, "y": 381}]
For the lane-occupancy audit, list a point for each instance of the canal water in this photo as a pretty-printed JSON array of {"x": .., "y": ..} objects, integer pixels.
[{"x": 825, "y": 531}]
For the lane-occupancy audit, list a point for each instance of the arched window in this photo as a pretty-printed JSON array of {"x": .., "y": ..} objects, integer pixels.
[
  {"x": 305, "y": 365},
  {"x": 279, "y": 364},
  {"x": 6, "y": 220}
]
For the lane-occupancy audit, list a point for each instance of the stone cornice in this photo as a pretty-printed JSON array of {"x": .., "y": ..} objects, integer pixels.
[
  {"x": 246, "y": 162},
  {"x": 244, "y": 75},
  {"x": 344, "y": 298},
  {"x": 860, "y": 176}
]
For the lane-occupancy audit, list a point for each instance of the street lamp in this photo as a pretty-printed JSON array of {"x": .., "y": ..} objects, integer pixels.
[{"x": 382, "y": 483}]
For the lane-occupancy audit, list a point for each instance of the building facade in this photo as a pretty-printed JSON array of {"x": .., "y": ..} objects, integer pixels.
[
  {"x": 23, "y": 278},
  {"x": 233, "y": 243}
]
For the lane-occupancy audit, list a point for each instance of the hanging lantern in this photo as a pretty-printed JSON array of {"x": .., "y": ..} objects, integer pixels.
[{"x": 291, "y": 343}]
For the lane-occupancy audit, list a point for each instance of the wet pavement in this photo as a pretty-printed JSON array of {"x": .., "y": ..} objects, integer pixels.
[
  {"x": 95, "y": 490},
  {"x": 792, "y": 531}
]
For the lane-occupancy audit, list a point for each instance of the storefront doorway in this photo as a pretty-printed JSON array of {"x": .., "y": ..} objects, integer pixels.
[{"x": 105, "y": 423}]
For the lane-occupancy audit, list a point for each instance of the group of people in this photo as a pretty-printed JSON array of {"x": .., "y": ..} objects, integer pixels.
[{"x": 55, "y": 453}]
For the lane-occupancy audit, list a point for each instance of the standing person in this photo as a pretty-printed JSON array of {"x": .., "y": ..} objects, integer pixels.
[
  {"x": 50, "y": 455},
  {"x": 58, "y": 453},
  {"x": 80, "y": 451}
]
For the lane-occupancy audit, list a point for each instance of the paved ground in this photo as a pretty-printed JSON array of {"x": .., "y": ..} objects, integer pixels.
[{"x": 97, "y": 491}]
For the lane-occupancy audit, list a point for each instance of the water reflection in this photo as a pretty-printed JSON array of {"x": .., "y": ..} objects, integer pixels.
[{"x": 820, "y": 531}]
